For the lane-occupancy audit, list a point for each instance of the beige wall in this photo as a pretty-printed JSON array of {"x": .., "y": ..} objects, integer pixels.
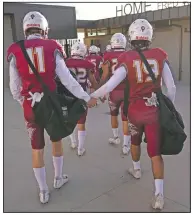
[
  {"x": 8, "y": 39},
  {"x": 169, "y": 40},
  {"x": 103, "y": 40},
  {"x": 186, "y": 53}
]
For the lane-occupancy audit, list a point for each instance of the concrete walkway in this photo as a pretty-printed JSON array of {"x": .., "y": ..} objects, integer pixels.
[{"x": 99, "y": 181}]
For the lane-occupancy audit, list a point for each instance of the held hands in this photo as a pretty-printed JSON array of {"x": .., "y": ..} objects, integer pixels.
[
  {"x": 103, "y": 99},
  {"x": 92, "y": 102}
]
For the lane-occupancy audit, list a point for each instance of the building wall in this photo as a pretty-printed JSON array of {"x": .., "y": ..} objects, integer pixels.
[
  {"x": 186, "y": 50},
  {"x": 186, "y": 62},
  {"x": 169, "y": 39},
  {"x": 102, "y": 40},
  {"x": 62, "y": 19},
  {"x": 8, "y": 39}
]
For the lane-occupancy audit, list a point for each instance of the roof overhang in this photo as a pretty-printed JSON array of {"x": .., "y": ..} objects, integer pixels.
[{"x": 151, "y": 16}]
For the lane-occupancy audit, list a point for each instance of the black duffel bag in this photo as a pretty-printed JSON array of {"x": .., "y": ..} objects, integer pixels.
[{"x": 57, "y": 114}]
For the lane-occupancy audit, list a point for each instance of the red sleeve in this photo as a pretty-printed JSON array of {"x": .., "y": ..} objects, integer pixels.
[
  {"x": 67, "y": 63},
  {"x": 60, "y": 49},
  {"x": 162, "y": 55},
  {"x": 121, "y": 61},
  {"x": 165, "y": 55}
]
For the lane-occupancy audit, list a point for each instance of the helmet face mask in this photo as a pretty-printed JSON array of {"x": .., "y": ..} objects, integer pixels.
[
  {"x": 79, "y": 50},
  {"x": 35, "y": 22},
  {"x": 35, "y": 31},
  {"x": 140, "y": 34},
  {"x": 118, "y": 41},
  {"x": 140, "y": 44}
]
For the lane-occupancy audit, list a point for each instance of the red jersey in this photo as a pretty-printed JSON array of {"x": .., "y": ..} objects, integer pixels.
[
  {"x": 82, "y": 68},
  {"x": 105, "y": 53},
  {"x": 97, "y": 60},
  {"x": 100, "y": 54},
  {"x": 140, "y": 82},
  {"x": 42, "y": 53},
  {"x": 111, "y": 58}
]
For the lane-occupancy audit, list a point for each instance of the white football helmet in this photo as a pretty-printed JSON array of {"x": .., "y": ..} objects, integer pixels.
[
  {"x": 93, "y": 49},
  {"x": 78, "y": 49},
  {"x": 108, "y": 48},
  {"x": 140, "y": 29},
  {"x": 35, "y": 19},
  {"x": 118, "y": 40},
  {"x": 98, "y": 49}
]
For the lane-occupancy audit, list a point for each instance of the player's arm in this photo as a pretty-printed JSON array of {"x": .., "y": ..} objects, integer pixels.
[
  {"x": 61, "y": 50},
  {"x": 100, "y": 68},
  {"x": 105, "y": 74},
  {"x": 100, "y": 72},
  {"x": 92, "y": 80},
  {"x": 169, "y": 82},
  {"x": 67, "y": 79},
  {"x": 118, "y": 76},
  {"x": 172, "y": 71},
  {"x": 15, "y": 81}
]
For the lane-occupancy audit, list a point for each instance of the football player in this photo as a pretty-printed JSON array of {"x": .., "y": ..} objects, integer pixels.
[
  {"x": 84, "y": 70},
  {"x": 48, "y": 57},
  {"x": 118, "y": 45},
  {"x": 143, "y": 112},
  {"x": 108, "y": 48},
  {"x": 99, "y": 52},
  {"x": 97, "y": 60}
]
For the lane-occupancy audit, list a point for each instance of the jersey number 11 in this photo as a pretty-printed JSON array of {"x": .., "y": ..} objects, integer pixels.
[{"x": 37, "y": 57}]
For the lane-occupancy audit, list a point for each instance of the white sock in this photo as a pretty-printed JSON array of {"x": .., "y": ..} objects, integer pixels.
[
  {"x": 73, "y": 137},
  {"x": 136, "y": 165},
  {"x": 115, "y": 132},
  {"x": 58, "y": 166},
  {"x": 40, "y": 174},
  {"x": 127, "y": 140},
  {"x": 159, "y": 184},
  {"x": 81, "y": 139}
]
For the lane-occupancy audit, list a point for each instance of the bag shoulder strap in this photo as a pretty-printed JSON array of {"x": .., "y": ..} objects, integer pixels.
[{"x": 34, "y": 70}]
